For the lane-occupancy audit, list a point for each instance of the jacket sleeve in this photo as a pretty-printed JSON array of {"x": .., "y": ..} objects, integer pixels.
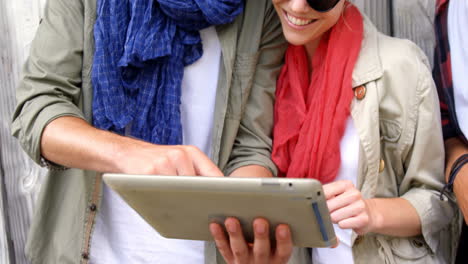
[
  {"x": 253, "y": 143},
  {"x": 424, "y": 163},
  {"x": 50, "y": 83}
]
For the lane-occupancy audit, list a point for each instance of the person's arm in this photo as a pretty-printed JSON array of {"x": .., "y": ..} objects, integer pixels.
[
  {"x": 253, "y": 143},
  {"x": 455, "y": 148},
  {"x": 394, "y": 217},
  {"x": 423, "y": 160},
  {"x": 387, "y": 216},
  {"x": 418, "y": 210},
  {"x": 72, "y": 142},
  {"x": 51, "y": 125},
  {"x": 251, "y": 154},
  {"x": 252, "y": 171}
]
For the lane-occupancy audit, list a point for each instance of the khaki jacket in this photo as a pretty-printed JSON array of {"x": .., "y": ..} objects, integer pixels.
[
  {"x": 395, "y": 112},
  {"x": 56, "y": 82}
]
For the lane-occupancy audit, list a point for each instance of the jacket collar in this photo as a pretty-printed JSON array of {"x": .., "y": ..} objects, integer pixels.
[{"x": 368, "y": 66}]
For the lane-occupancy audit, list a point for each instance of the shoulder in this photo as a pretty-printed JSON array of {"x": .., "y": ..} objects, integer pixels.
[
  {"x": 383, "y": 57},
  {"x": 401, "y": 54},
  {"x": 257, "y": 26},
  {"x": 263, "y": 4},
  {"x": 402, "y": 65},
  {"x": 260, "y": 11}
]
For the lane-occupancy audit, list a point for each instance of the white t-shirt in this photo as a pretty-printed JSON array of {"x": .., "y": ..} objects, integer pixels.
[
  {"x": 349, "y": 147},
  {"x": 458, "y": 38},
  {"x": 120, "y": 235}
]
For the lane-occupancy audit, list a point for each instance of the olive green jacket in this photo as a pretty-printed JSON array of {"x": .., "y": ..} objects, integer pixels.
[{"x": 57, "y": 82}]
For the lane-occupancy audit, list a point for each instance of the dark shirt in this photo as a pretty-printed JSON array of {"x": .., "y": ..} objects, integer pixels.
[{"x": 443, "y": 74}]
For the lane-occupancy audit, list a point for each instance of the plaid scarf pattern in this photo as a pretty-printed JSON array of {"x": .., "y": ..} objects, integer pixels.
[{"x": 141, "y": 49}]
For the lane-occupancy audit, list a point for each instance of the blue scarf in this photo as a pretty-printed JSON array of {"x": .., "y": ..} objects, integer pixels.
[{"x": 142, "y": 47}]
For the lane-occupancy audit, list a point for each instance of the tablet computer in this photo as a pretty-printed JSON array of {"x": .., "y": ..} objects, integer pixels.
[{"x": 182, "y": 207}]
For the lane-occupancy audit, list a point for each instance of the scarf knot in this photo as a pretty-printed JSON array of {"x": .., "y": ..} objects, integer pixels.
[{"x": 311, "y": 113}]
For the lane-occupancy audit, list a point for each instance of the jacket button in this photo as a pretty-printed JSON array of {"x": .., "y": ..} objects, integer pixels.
[
  {"x": 92, "y": 207},
  {"x": 85, "y": 255},
  {"x": 381, "y": 166},
  {"x": 360, "y": 92}
]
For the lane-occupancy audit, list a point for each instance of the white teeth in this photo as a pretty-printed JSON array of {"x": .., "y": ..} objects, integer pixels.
[{"x": 297, "y": 21}]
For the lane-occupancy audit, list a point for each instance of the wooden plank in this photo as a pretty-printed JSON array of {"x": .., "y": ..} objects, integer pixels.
[
  {"x": 414, "y": 20},
  {"x": 4, "y": 225},
  {"x": 4, "y": 248},
  {"x": 21, "y": 177},
  {"x": 378, "y": 12}
]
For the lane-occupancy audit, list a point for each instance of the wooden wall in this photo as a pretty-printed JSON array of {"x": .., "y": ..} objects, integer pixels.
[
  {"x": 20, "y": 179},
  {"x": 411, "y": 19}
]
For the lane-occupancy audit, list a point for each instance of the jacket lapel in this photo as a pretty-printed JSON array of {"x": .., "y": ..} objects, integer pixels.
[
  {"x": 365, "y": 110},
  {"x": 227, "y": 35}
]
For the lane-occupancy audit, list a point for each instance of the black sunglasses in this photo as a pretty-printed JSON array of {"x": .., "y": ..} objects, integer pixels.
[{"x": 322, "y": 5}]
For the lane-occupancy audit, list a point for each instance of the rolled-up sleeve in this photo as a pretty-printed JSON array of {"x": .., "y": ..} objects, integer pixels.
[
  {"x": 253, "y": 143},
  {"x": 50, "y": 84},
  {"x": 424, "y": 178}
]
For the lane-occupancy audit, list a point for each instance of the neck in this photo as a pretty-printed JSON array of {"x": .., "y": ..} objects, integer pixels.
[{"x": 310, "y": 48}]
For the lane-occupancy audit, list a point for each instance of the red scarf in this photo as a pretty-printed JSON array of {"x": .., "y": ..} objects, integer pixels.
[{"x": 311, "y": 115}]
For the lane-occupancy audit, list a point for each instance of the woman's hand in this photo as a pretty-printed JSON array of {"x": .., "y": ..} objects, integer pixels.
[
  {"x": 348, "y": 208},
  {"x": 236, "y": 250}
]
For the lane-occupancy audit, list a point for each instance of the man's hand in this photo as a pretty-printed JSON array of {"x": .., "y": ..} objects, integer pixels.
[
  {"x": 72, "y": 142},
  {"x": 236, "y": 250},
  {"x": 145, "y": 158}
]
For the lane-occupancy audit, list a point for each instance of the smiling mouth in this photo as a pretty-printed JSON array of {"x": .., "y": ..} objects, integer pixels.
[{"x": 298, "y": 21}]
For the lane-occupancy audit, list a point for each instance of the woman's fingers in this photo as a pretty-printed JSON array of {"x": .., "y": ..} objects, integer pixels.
[
  {"x": 336, "y": 188},
  {"x": 359, "y": 223},
  {"x": 349, "y": 211},
  {"x": 239, "y": 247},
  {"x": 347, "y": 198},
  {"x": 284, "y": 245},
  {"x": 222, "y": 243},
  {"x": 262, "y": 245},
  {"x": 347, "y": 207}
]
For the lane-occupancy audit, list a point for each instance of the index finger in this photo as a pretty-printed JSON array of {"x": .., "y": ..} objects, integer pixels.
[
  {"x": 203, "y": 165},
  {"x": 336, "y": 188}
]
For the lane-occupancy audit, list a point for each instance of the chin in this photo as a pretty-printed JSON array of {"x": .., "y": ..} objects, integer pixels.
[{"x": 296, "y": 40}]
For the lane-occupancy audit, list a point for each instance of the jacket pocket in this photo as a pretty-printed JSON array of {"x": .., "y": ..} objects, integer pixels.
[
  {"x": 390, "y": 130},
  {"x": 242, "y": 82},
  {"x": 391, "y": 166}
]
